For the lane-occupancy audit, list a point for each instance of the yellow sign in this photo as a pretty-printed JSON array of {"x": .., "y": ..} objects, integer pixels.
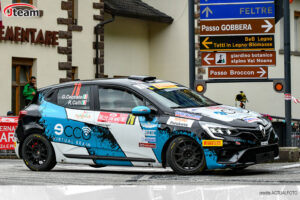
[
  {"x": 164, "y": 85},
  {"x": 212, "y": 143}
]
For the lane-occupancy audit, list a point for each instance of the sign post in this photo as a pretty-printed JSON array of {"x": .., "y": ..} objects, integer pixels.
[{"x": 287, "y": 71}]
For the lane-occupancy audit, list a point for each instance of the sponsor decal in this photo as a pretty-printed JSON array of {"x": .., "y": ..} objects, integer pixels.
[
  {"x": 228, "y": 111},
  {"x": 83, "y": 116},
  {"x": 251, "y": 119},
  {"x": 69, "y": 131},
  {"x": 175, "y": 121},
  {"x": 58, "y": 129},
  {"x": 187, "y": 115},
  {"x": 147, "y": 145},
  {"x": 150, "y": 139},
  {"x": 149, "y": 125},
  {"x": 167, "y": 85},
  {"x": 149, "y": 133},
  {"x": 21, "y": 10},
  {"x": 220, "y": 113},
  {"x": 215, "y": 108},
  {"x": 116, "y": 118},
  {"x": 131, "y": 120},
  {"x": 212, "y": 143}
]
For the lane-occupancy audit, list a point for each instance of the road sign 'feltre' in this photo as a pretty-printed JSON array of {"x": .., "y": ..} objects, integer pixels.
[
  {"x": 250, "y": 26},
  {"x": 238, "y": 72},
  {"x": 254, "y": 58}
]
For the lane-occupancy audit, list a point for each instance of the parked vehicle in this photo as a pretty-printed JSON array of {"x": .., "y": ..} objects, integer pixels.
[{"x": 140, "y": 121}]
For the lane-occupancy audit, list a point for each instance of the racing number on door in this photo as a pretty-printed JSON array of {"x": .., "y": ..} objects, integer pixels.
[{"x": 76, "y": 90}]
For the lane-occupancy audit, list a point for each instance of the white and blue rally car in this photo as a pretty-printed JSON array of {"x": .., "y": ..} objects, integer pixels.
[{"x": 139, "y": 121}]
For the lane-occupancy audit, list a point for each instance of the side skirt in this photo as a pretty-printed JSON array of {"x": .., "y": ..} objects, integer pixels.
[{"x": 109, "y": 158}]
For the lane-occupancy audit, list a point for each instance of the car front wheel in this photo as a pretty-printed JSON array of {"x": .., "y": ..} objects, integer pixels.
[
  {"x": 185, "y": 156},
  {"x": 37, "y": 153}
]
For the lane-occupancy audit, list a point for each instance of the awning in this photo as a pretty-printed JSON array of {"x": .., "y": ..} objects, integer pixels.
[{"x": 135, "y": 9}]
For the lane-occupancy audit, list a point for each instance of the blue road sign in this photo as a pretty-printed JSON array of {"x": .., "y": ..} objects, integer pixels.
[
  {"x": 237, "y": 11},
  {"x": 232, "y": 1}
]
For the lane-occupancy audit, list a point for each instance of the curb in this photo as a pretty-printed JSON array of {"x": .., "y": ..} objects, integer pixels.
[{"x": 288, "y": 154}]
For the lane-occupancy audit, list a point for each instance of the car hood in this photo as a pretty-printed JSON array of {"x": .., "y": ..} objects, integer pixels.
[{"x": 227, "y": 115}]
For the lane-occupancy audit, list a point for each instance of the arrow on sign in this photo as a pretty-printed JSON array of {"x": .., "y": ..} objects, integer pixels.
[
  {"x": 262, "y": 72},
  {"x": 207, "y": 58},
  {"x": 205, "y": 43},
  {"x": 207, "y": 10},
  {"x": 268, "y": 26}
]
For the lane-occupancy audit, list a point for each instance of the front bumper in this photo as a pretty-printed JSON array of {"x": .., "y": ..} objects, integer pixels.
[{"x": 253, "y": 155}]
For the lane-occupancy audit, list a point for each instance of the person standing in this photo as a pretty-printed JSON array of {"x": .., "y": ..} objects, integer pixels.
[{"x": 29, "y": 90}]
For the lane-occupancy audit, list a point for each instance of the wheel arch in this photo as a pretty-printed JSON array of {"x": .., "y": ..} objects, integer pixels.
[
  {"x": 166, "y": 145},
  {"x": 28, "y": 132}
]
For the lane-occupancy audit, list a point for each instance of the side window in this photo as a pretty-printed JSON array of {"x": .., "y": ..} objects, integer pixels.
[
  {"x": 77, "y": 97},
  {"x": 118, "y": 100}
]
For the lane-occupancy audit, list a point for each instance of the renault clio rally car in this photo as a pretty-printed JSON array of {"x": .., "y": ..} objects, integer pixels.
[{"x": 140, "y": 121}]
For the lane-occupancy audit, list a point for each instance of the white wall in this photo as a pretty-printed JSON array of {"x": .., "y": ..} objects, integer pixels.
[
  {"x": 169, "y": 47},
  {"x": 126, "y": 49},
  {"x": 82, "y": 44}
]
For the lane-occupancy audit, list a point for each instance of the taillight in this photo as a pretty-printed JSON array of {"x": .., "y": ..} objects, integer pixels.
[{"x": 22, "y": 114}]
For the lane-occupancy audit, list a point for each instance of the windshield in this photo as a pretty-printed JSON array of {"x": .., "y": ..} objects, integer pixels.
[{"x": 180, "y": 97}]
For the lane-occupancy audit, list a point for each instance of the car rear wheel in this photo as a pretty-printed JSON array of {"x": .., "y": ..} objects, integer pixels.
[
  {"x": 37, "y": 153},
  {"x": 185, "y": 156}
]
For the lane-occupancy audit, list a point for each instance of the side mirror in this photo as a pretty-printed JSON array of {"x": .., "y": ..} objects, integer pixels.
[{"x": 141, "y": 111}]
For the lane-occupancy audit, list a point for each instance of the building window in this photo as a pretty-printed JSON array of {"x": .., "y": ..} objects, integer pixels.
[
  {"x": 21, "y": 73},
  {"x": 22, "y": 1},
  {"x": 297, "y": 30},
  {"x": 75, "y": 11},
  {"x": 74, "y": 73}
]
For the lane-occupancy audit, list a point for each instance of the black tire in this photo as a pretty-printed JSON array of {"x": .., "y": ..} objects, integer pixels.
[
  {"x": 38, "y": 153},
  {"x": 185, "y": 156},
  {"x": 97, "y": 166},
  {"x": 238, "y": 169}
]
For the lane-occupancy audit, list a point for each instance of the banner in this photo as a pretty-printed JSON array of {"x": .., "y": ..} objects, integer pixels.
[{"x": 7, "y": 129}]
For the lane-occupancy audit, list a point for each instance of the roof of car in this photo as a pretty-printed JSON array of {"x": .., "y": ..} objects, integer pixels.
[{"x": 113, "y": 81}]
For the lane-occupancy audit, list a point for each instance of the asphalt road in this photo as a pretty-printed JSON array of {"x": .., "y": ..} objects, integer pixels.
[{"x": 14, "y": 172}]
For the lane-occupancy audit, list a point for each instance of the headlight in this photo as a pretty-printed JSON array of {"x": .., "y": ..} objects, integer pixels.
[{"x": 215, "y": 130}]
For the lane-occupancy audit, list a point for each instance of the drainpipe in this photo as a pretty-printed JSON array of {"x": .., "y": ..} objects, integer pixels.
[{"x": 97, "y": 30}]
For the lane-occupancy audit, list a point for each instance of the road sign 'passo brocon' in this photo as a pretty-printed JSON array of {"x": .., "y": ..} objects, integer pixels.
[{"x": 238, "y": 72}]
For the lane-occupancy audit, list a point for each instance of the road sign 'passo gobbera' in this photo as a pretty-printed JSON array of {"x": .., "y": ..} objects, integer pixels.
[
  {"x": 237, "y": 43},
  {"x": 242, "y": 27},
  {"x": 237, "y": 11},
  {"x": 250, "y": 58},
  {"x": 238, "y": 72}
]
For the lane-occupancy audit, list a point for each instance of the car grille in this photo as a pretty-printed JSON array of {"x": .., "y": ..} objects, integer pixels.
[{"x": 258, "y": 134}]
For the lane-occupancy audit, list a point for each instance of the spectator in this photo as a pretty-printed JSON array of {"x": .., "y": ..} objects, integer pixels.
[
  {"x": 10, "y": 113},
  {"x": 29, "y": 90}
]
